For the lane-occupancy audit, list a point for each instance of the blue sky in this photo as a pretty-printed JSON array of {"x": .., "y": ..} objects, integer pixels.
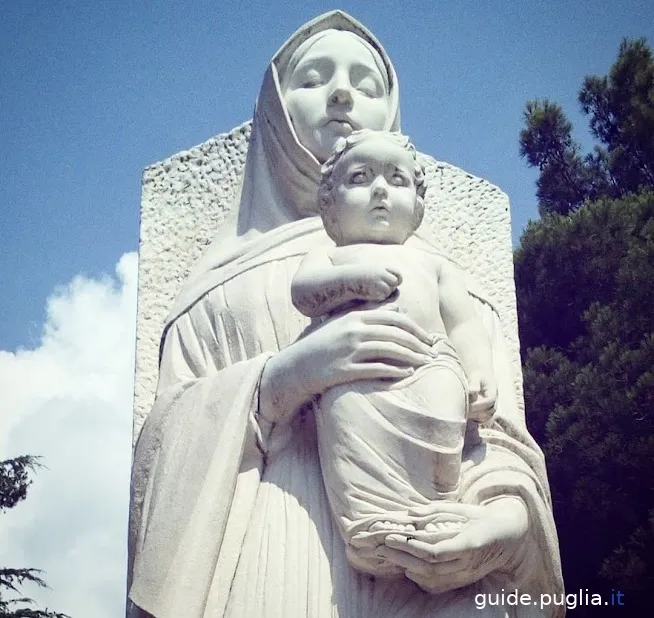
[{"x": 91, "y": 93}]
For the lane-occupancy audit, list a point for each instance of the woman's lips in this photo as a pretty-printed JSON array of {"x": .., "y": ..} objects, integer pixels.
[{"x": 342, "y": 127}]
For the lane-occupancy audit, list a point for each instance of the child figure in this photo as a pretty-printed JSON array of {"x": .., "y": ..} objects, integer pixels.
[{"x": 389, "y": 449}]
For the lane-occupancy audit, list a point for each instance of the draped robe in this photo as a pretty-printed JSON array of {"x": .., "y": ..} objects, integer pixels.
[{"x": 228, "y": 521}]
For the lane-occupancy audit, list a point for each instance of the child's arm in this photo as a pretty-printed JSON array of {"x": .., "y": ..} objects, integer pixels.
[
  {"x": 319, "y": 286},
  {"x": 470, "y": 340}
]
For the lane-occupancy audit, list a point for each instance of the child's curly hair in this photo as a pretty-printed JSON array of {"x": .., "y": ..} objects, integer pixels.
[{"x": 343, "y": 145}]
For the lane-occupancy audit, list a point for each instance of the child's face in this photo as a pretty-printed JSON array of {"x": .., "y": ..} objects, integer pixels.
[{"x": 374, "y": 194}]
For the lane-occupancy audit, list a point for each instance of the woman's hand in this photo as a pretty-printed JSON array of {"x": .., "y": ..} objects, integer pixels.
[
  {"x": 361, "y": 345},
  {"x": 493, "y": 539}
]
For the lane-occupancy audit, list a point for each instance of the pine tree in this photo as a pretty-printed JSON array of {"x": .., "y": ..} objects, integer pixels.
[
  {"x": 14, "y": 481},
  {"x": 621, "y": 110},
  {"x": 546, "y": 142},
  {"x": 586, "y": 309},
  {"x": 584, "y": 277},
  {"x": 620, "y": 107}
]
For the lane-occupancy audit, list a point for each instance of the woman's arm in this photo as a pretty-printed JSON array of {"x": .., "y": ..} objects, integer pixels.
[
  {"x": 361, "y": 345},
  {"x": 494, "y": 539},
  {"x": 504, "y": 493},
  {"x": 199, "y": 436}
]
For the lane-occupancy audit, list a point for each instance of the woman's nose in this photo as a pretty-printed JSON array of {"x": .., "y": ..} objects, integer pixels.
[{"x": 341, "y": 94}]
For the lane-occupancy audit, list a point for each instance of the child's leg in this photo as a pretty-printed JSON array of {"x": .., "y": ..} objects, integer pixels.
[
  {"x": 386, "y": 449},
  {"x": 433, "y": 418}
]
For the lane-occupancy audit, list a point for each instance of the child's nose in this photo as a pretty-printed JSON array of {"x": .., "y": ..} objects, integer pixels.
[{"x": 379, "y": 188}]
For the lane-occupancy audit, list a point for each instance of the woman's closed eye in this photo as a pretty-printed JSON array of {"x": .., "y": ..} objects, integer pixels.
[
  {"x": 368, "y": 87},
  {"x": 312, "y": 79},
  {"x": 367, "y": 81}
]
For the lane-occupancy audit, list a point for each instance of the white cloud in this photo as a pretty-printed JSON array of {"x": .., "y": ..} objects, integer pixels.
[{"x": 70, "y": 400}]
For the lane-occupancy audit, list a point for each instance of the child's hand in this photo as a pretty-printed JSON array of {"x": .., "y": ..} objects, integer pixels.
[
  {"x": 375, "y": 282},
  {"x": 482, "y": 391}
]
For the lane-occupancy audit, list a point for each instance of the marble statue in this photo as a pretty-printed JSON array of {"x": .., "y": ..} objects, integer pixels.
[
  {"x": 230, "y": 516},
  {"x": 389, "y": 447}
]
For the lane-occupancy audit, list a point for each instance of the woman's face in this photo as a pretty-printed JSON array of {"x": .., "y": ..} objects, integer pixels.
[{"x": 336, "y": 88}]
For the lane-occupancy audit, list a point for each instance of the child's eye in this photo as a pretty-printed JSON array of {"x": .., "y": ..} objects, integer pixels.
[
  {"x": 399, "y": 180},
  {"x": 358, "y": 178}
]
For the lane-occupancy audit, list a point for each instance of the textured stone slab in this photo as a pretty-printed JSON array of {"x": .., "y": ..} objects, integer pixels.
[{"x": 186, "y": 197}]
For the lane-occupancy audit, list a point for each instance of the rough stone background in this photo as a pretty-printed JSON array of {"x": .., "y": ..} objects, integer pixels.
[{"x": 186, "y": 197}]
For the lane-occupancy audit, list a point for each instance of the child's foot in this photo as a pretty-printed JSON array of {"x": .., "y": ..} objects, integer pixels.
[
  {"x": 443, "y": 526},
  {"x": 390, "y": 526}
]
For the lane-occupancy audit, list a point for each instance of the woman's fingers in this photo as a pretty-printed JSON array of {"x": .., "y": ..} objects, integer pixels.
[
  {"x": 419, "y": 568},
  {"x": 393, "y": 318},
  {"x": 389, "y": 351},
  {"x": 410, "y": 563},
  {"x": 432, "y": 537},
  {"x": 477, "y": 550},
  {"x": 377, "y": 371},
  {"x": 395, "y": 334},
  {"x": 367, "y": 344},
  {"x": 440, "y": 511},
  {"x": 443, "y": 551}
]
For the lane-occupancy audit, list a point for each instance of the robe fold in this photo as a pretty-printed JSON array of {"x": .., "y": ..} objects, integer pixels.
[
  {"x": 238, "y": 523},
  {"x": 229, "y": 522}
]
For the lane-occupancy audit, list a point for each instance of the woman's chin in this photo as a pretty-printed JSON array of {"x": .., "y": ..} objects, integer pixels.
[
  {"x": 340, "y": 129},
  {"x": 326, "y": 142}
]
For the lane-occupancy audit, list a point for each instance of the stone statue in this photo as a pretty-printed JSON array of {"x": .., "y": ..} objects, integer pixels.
[
  {"x": 230, "y": 516},
  {"x": 389, "y": 448}
]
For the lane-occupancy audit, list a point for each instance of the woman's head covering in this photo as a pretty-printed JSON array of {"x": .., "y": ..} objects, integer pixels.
[{"x": 281, "y": 177}]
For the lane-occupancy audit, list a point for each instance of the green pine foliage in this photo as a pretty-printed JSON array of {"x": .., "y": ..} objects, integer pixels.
[
  {"x": 585, "y": 289},
  {"x": 620, "y": 108},
  {"x": 14, "y": 481},
  {"x": 546, "y": 142},
  {"x": 586, "y": 309}
]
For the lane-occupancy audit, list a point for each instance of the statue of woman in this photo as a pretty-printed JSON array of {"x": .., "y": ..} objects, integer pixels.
[{"x": 229, "y": 512}]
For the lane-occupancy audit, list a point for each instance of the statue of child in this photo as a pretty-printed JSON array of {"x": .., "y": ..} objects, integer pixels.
[{"x": 390, "y": 449}]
